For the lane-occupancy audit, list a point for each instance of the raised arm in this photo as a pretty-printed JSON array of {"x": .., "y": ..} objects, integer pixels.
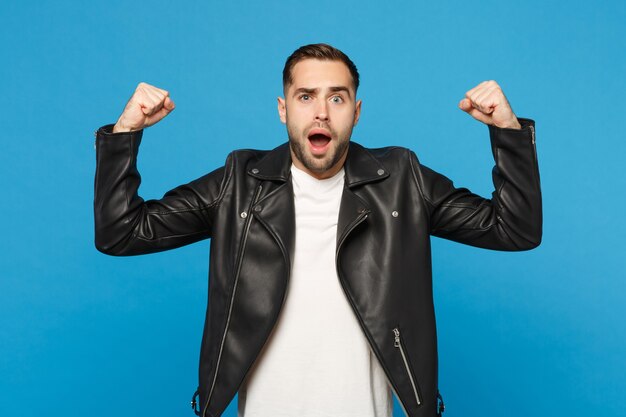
[{"x": 125, "y": 224}]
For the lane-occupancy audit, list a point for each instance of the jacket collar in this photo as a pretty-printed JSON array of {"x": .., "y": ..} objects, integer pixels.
[{"x": 360, "y": 166}]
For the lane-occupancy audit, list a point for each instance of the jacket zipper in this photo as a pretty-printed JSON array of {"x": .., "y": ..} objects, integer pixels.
[
  {"x": 398, "y": 344},
  {"x": 532, "y": 141},
  {"x": 352, "y": 227},
  {"x": 232, "y": 297},
  {"x": 532, "y": 132}
]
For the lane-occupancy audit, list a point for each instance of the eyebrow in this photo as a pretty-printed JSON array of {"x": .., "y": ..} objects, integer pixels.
[{"x": 334, "y": 89}]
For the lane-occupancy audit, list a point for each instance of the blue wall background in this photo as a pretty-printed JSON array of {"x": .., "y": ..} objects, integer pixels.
[{"x": 521, "y": 334}]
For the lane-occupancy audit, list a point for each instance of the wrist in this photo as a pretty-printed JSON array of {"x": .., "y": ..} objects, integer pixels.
[
  {"x": 120, "y": 128},
  {"x": 513, "y": 124}
]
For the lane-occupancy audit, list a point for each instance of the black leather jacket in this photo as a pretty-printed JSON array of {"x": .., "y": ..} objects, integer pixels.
[{"x": 390, "y": 207}]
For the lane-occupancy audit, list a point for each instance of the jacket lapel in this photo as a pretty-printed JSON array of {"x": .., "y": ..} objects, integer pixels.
[
  {"x": 277, "y": 213},
  {"x": 275, "y": 209},
  {"x": 361, "y": 168},
  {"x": 351, "y": 210}
]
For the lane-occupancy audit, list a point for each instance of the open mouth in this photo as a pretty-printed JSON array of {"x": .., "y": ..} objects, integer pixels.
[{"x": 319, "y": 139}]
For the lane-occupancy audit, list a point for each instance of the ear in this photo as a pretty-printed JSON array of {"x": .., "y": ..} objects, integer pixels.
[
  {"x": 357, "y": 112},
  {"x": 282, "y": 110}
]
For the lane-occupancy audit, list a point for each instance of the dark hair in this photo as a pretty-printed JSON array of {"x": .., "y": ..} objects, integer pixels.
[{"x": 323, "y": 52}]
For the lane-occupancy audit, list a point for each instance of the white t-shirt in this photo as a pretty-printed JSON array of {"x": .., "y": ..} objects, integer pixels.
[{"x": 317, "y": 362}]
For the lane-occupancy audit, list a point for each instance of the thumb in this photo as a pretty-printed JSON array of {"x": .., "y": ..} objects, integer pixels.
[
  {"x": 169, "y": 104},
  {"x": 467, "y": 107}
]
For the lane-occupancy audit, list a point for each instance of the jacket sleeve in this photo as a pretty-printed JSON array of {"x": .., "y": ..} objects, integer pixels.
[
  {"x": 125, "y": 224},
  {"x": 512, "y": 218}
]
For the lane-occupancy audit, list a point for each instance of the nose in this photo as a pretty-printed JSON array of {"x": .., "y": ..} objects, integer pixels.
[{"x": 321, "y": 112}]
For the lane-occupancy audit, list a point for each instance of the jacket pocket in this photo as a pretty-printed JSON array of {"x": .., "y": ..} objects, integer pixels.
[{"x": 398, "y": 344}]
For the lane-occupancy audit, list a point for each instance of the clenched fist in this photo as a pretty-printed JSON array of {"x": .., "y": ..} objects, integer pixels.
[
  {"x": 486, "y": 102},
  {"x": 146, "y": 107}
]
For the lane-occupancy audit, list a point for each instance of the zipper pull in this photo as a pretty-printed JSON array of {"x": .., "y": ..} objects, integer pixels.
[
  {"x": 441, "y": 407},
  {"x": 396, "y": 333},
  {"x": 194, "y": 403}
]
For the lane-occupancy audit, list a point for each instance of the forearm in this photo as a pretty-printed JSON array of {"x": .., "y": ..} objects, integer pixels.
[
  {"x": 117, "y": 180},
  {"x": 517, "y": 194}
]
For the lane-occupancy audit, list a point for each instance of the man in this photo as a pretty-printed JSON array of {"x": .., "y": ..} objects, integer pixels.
[{"x": 320, "y": 292}]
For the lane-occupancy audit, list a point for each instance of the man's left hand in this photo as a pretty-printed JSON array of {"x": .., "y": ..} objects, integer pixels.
[{"x": 486, "y": 103}]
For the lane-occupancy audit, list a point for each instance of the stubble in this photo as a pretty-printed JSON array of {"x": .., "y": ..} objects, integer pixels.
[{"x": 313, "y": 164}]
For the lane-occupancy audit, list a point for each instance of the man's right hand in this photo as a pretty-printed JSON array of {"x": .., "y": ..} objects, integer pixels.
[{"x": 146, "y": 107}]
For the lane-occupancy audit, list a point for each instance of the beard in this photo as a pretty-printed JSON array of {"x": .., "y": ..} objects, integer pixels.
[{"x": 319, "y": 165}]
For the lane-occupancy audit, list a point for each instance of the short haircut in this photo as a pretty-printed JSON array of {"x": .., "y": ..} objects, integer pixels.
[{"x": 323, "y": 52}]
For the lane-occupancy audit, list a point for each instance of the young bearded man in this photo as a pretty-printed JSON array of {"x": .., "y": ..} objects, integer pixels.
[{"x": 320, "y": 287}]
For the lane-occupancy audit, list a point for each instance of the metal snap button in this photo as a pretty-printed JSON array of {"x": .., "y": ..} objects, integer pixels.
[
  {"x": 255, "y": 171},
  {"x": 243, "y": 215},
  {"x": 380, "y": 171},
  {"x": 394, "y": 213}
]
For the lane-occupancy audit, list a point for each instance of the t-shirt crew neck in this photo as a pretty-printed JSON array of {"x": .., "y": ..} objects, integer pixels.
[
  {"x": 327, "y": 184},
  {"x": 317, "y": 362}
]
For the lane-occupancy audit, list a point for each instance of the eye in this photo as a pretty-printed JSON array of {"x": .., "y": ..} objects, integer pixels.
[
  {"x": 305, "y": 97},
  {"x": 337, "y": 99}
]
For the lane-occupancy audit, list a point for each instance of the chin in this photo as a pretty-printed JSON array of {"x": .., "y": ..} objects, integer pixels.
[{"x": 318, "y": 165}]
